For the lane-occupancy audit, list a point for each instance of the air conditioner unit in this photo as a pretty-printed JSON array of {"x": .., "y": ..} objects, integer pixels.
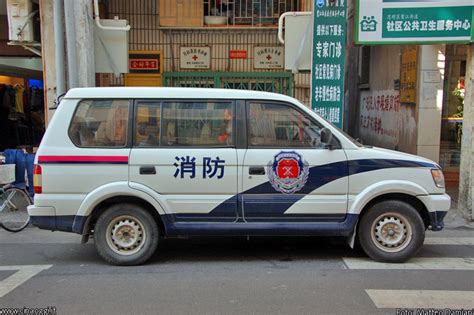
[
  {"x": 298, "y": 40},
  {"x": 21, "y": 20}
]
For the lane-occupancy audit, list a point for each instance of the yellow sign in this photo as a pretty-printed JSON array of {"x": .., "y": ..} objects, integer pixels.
[
  {"x": 146, "y": 79},
  {"x": 408, "y": 77}
]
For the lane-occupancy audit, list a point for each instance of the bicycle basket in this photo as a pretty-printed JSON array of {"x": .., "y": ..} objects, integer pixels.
[{"x": 7, "y": 174}]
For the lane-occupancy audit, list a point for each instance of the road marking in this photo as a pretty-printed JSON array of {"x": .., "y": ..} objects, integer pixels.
[
  {"x": 449, "y": 241},
  {"x": 439, "y": 299},
  {"x": 435, "y": 263},
  {"x": 22, "y": 274}
]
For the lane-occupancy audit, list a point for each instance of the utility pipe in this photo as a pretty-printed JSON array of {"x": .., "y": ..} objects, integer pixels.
[
  {"x": 71, "y": 43},
  {"x": 110, "y": 28},
  {"x": 282, "y": 18},
  {"x": 59, "y": 47}
]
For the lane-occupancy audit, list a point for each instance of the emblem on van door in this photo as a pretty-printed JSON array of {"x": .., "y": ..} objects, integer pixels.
[{"x": 288, "y": 172}]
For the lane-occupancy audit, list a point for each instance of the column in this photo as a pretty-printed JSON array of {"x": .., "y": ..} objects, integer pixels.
[
  {"x": 430, "y": 100},
  {"x": 466, "y": 172},
  {"x": 48, "y": 56},
  {"x": 84, "y": 31}
]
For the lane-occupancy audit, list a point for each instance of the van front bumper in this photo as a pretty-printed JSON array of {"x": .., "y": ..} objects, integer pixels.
[
  {"x": 436, "y": 220},
  {"x": 437, "y": 206}
]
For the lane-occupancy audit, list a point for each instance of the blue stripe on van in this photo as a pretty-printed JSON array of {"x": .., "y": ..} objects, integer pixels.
[
  {"x": 308, "y": 228},
  {"x": 264, "y": 200}
]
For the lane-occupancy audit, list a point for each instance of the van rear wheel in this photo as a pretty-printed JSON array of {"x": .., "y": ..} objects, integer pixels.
[
  {"x": 126, "y": 234},
  {"x": 391, "y": 231}
]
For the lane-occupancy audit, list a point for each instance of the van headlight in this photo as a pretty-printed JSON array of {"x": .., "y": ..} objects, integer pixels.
[{"x": 438, "y": 177}]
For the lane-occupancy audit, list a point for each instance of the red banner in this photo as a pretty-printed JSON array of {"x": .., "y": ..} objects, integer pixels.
[{"x": 238, "y": 54}]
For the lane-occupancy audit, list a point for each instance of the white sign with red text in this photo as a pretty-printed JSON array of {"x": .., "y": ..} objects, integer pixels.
[
  {"x": 268, "y": 57},
  {"x": 195, "y": 57}
]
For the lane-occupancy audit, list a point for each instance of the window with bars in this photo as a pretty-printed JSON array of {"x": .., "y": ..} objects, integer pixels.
[
  {"x": 246, "y": 12},
  {"x": 258, "y": 13}
]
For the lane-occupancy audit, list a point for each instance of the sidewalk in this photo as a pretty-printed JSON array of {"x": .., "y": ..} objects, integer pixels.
[{"x": 454, "y": 219}]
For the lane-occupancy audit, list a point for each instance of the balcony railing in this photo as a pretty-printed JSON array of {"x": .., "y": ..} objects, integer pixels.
[
  {"x": 277, "y": 82},
  {"x": 246, "y": 12}
]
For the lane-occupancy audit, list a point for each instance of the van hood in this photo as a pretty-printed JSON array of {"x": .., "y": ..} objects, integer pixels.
[{"x": 397, "y": 155}]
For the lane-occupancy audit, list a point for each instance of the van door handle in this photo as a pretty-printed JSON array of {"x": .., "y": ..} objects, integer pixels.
[
  {"x": 147, "y": 170},
  {"x": 256, "y": 170}
]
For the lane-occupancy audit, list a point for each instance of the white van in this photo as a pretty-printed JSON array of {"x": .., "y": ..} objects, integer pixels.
[{"x": 132, "y": 165}]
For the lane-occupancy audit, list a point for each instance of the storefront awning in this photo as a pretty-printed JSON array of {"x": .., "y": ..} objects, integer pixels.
[{"x": 31, "y": 68}]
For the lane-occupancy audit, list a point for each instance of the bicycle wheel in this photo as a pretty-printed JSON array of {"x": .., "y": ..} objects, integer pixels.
[{"x": 13, "y": 212}]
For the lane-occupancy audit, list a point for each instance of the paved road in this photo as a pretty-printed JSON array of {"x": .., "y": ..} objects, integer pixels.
[{"x": 234, "y": 276}]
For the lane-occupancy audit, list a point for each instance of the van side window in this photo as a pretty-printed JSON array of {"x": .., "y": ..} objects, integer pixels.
[
  {"x": 100, "y": 123},
  {"x": 197, "y": 124},
  {"x": 147, "y": 124},
  {"x": 278, "y": 125}
]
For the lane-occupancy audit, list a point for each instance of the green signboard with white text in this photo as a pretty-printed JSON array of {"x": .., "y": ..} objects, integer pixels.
[
  {"x": 414, "y": 21},
  {"x": 329, "y": 45}
]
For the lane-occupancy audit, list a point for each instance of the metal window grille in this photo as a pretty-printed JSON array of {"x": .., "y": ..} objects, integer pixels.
[
  {"x": 277, "y": 82},
  {"x": 247, "y": 12}
]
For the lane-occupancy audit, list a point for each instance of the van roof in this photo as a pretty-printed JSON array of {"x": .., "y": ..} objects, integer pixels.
[{"x": 170, "y": 92}]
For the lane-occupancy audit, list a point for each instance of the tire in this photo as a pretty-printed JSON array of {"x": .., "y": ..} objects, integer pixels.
[
  {"x": 391, "y": 231},
  {"x": 126, "y": 235},
  {"x": 13, "y": 211}
]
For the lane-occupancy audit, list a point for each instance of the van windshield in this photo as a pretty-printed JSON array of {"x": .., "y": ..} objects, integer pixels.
[{"x": 354, "y": 141}]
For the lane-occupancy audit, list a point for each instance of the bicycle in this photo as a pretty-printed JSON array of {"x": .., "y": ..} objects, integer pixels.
[{"x": 14, "y": 202}]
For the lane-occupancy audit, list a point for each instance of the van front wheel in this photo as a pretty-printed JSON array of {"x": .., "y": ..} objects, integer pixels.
[
  {"x": 125, "y": 235},
  {"x": 391, "y": 231}
]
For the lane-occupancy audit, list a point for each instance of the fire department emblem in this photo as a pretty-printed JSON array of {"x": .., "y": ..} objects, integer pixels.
[{"x": 288, "y": 172}]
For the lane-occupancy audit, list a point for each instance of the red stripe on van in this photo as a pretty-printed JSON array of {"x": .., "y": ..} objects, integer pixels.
[{"x": 83, "y": 159}]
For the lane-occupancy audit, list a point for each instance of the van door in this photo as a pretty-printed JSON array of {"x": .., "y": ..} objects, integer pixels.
[
  {"x": 289, "y": 174},
  {"x": 184, "y": 151}
]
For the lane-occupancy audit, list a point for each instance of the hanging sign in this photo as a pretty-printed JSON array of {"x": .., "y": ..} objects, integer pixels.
[
  {"x": 414, "y": 21},
  {"x": 328, "y": 59},
  {"x": 144, "y": 61},
  {"x": 265, "y": 57},
  {"x": 408, "y": 78},
  {"x": 196, "y": 57}
]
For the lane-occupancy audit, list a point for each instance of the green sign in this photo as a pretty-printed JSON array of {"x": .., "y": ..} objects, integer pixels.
[
  {"x": 327, "y": 75},
  {"x": 414, "y": 21}
]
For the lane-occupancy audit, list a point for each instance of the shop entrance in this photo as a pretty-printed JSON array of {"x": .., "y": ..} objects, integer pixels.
[
  {"x": 452, "y": 113},
  {"x": 21, "y": 112}
]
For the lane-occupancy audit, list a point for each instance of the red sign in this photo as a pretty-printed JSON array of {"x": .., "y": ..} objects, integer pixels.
[
  {"x": 143, "y": 64},
  {"x": 238, "y": 54}
]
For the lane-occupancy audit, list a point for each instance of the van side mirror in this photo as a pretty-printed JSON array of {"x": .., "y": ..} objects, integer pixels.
[{"x": 326, "y": 137}]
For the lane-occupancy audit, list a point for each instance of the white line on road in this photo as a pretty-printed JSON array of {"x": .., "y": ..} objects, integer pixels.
[
  {"x": 449, "y": 241},
  {"x": 22, "y": 274},
  {"x": 435, "y": 263},
  {"x": 439, "y": 299}
]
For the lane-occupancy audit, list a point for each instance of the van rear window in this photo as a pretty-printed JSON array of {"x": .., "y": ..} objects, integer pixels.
[{"x": 100, "y": 123}]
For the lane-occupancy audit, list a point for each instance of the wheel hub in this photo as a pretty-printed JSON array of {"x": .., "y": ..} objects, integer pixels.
[
  {"x": 391, "y": 232},
  {"x": 125, "y": 235}
]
